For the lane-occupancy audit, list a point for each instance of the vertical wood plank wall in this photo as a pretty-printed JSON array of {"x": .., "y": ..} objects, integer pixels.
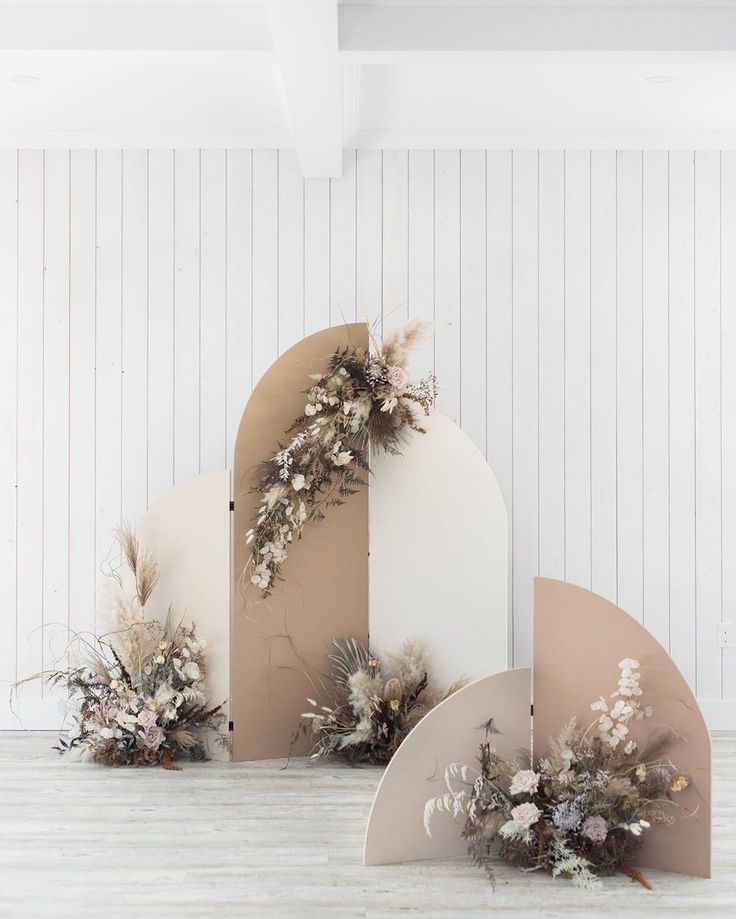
[{"x": 585, "y": 339}]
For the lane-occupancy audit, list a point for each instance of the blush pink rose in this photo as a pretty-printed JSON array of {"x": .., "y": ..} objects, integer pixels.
[
  {"x": 397, "y": 379},
  {"x": 147, "y": 719},
  {"x": 595, "y": 829},
  {"x": 154, "y": 737}
]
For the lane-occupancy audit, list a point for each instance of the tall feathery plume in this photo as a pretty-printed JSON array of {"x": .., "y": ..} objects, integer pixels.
[{"x": 397, "y": 344}]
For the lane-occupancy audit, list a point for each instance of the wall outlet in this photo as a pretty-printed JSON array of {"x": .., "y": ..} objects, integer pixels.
[{"x": 726, "y": 635}]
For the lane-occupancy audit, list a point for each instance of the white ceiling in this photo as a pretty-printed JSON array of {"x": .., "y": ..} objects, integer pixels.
[
  {"x": 140, "y": 94},
  {"x": 308, "y": 74}
]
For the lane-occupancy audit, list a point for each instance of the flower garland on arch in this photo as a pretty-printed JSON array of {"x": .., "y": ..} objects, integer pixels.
[{"x": 363, "y": 399}]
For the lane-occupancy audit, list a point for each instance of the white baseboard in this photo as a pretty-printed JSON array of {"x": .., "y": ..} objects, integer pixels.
[
  {"x": 48, "y": 715},
  {"x": 31, "y": 715},
  {"x": 719, "y": 714}
]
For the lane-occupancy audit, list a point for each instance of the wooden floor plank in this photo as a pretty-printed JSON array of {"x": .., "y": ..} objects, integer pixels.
[{"x": 256, "y": 839}]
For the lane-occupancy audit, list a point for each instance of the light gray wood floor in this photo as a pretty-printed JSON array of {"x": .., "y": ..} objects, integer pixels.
[{"x": 254, "y": 839}]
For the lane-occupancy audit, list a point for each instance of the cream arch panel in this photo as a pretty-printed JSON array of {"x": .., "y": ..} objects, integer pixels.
[
  {"x": 438, "y": 553},
  {"x": 188, "y": 528}
]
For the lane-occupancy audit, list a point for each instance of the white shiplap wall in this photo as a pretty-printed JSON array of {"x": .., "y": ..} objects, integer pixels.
[{"x": 585, "y": 338}]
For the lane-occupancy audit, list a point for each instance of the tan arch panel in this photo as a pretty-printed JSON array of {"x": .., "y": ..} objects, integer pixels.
[
  {"x": 579, "y": 639},
  {"x": 276, "y": 641},
  {"x": 450, "y": 733}
]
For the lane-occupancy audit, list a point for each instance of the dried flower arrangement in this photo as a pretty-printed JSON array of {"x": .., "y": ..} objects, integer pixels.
[
  {"x": 137, "y": 694},
  {"x": 580, "y": 811},
  {"x": 370, "y": 706},
  {"x": 363, "y": 399}
]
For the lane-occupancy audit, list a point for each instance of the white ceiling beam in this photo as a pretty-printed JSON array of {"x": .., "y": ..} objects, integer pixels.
[
  {"x": 384, "y": 32},
  {"x": 129, "y": 26},
  {"x": 306, "y": 52}
]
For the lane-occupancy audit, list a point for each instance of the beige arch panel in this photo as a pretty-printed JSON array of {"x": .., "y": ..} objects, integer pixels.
[
  {"x": 188, "y": 528},
  {"x": 431, "y": 578},
  {"x": 579, "y": 639},
  {"x": 277, "y": 640},
  {"x": 450, "y": 733}
]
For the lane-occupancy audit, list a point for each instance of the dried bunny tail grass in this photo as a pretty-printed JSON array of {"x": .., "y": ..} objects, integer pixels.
[
  {"x": 133, "y": 636},
  {"x": 397, "y": 344},
  {"x": 363, "y": 689},
  {"x": 409, "y": 664}
]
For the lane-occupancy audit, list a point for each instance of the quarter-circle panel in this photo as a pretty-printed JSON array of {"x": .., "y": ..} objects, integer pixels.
[
  {"x": 579, "y": 639},
  {"x": 449, "y": 733}
]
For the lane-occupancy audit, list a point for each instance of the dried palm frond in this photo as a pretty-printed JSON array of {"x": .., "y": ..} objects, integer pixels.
[
  {"x": 369, "y": 706},
  {"x": 351, "y": 656}
]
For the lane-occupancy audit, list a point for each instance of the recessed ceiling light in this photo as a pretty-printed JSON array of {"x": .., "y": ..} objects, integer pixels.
[
  {"x": 23, "y": 78},
  {"x": 661, "y": 78}
]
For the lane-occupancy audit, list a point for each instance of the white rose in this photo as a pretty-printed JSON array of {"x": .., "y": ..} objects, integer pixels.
[
  {"x": 525, "y": 815},
  {"x": 298, "y": 482},
  {"x": 525, "y": 782},
  {"x": 309, "y": 409},
  {"x": 342, "y": 458},
  {"x": 191, "y": 670}
]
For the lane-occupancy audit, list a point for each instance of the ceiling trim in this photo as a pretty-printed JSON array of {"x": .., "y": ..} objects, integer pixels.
[
  {"x": 545, "y": 140},
  {"x": 141, "y": 140},
  {"x": 369, "y": 29},
  {"x": 372, "y": 140},
  {"x": 130, "y": 26}
]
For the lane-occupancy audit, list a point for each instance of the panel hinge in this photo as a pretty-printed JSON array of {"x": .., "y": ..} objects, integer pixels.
[
  {"x": 232, "y": 505},
  {"x": 531, "y": 710},
  {"x": 230, "y": 726}
]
